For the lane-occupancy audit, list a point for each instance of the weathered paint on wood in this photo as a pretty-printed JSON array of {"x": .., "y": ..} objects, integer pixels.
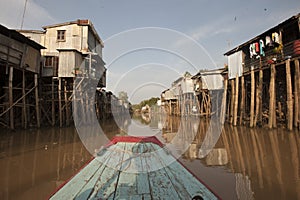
[
  {"x": 106, "y": 185},
  {"x": 184, "y": 182},
  {"x": 79, "y": 182},
  {"x": 129, "y": 170}
]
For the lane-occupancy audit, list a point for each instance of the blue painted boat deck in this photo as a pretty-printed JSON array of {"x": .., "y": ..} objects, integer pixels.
[{"x": 129, "y": 170}]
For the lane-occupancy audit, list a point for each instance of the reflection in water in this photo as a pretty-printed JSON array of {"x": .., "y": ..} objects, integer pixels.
[
  {"x": 244, "y": 164},
  {"x": 243, "y": 187},
  {"x": 265, "y": 162},
  {"x": 217, "y": 156},
  {"x": 33, "y": 163},
  {"x": 36, "y": 162}
]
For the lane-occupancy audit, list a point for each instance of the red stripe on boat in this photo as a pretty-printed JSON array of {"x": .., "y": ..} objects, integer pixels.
[{"x": 134, "y": 139}]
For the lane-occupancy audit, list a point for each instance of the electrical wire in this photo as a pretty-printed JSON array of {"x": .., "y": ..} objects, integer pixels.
[{"x": 24, "y": 11}]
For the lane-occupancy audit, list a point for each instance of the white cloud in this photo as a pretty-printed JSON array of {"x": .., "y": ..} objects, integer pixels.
[
  {"x": 35, "y": 16},
  {"x": 210, "y": 29}
]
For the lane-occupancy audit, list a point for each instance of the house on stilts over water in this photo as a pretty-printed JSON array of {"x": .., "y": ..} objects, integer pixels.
[
  {"x": 19, "y": 72},
  {"x": 263, "y": 78}
]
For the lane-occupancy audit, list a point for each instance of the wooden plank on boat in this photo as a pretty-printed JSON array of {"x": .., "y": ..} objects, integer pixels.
[
  {"x": 106, "y": 184},
  {"x": 182, "y": 179},
  {"x": 146, "y": 197},
  {"x": 151, "y": 160},
  {"x": 160, "y": 183},
  {"x": 87, "y": 190},
  {"x": 182, "y": 192},
  {"x": 131, "y": 159},
  {"x": 134, "y": 170},
  {"x": 143, "y": 183},
  {"x": 142, "y": 180},
  {"x": 132, "y": 181},
  {"x": 127, "y": 178},
  {"x": 70, "y": 190}
]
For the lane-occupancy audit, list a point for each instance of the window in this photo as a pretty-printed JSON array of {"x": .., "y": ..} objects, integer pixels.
[
  {"x": 61, "y": 35},
  {"x": 51, "y": 61}
]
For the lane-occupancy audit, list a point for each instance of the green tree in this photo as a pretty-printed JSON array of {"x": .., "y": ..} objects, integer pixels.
[{"x": 123, "y": 96}]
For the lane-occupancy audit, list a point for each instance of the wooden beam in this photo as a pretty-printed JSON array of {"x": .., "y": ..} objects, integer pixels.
[
  {"x": 37, "y": 100},
  {"x": 242, "y": 104},
  {"x": 274, "y": 105},
  {"x": 66, "y": 103},
  {"x": 236, "y": 100},
  {"x": 24, "y": 110},
  {"x": 260, "y": 87},
  {"x": 297, "y": 66},
  {"x": 252, "y": 98},
  {"x": 272, "y": 96},
  {"x": 224, "y": 101},
  {"x": 231, "y": 101},
  {"x": 59, "y": 102},
  {"x": 258, "y": 109},
  {"x": 289, "y": 95},
  {"x": 53, "y": 102},
  {"x": 10, "y": 97},
  {"x": 296, "y": 93}
]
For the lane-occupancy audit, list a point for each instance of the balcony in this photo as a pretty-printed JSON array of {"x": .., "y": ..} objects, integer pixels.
[{"x": 273, "y": 55}]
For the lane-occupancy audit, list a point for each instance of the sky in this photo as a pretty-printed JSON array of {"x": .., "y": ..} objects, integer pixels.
[{"x": 149, "y": 44}]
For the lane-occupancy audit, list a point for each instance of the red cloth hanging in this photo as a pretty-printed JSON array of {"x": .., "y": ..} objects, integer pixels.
[{"x": 256, "y": 46}]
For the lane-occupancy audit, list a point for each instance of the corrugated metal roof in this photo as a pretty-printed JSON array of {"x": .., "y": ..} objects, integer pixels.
[{"x": 19, "y": 37}]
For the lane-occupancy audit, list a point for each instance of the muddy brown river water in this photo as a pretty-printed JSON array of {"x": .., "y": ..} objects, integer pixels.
[{"x": 244, "y": 163}]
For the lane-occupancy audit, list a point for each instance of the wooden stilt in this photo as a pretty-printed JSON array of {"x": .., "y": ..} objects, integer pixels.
[
  {"x": 260, "y": 87},
  {"x": 236, "y": 100},
  {"x": 252, "y": 98},
  {"x": 208, "y": 106},
  {"x": 201, "y": 105},
  {"x": 66, "y": 103},
  {"x": 82, "y": 113},
  {"x": 53, "y": 102},
  {"x": 224, "y": 104},
  {"x": 177, "y": 108},
  {"x": 228, "y": 106},
  {"x": 24, "y": 110},
  {"x": 59, "y": 102},
  {"x": 242, "y": 104},
  {"x": 274, "y": 106},
  {"x": 297, "y": 66},
  {"x": 10, "y": 97},
  {"x": 231, "y": 101},
  {"x": 198, "y": 104},
  {"x": 258, "y": 112},
  {"x": 289, "y": 95},
  {"x": 37, "y": 103},
  {"x": 87, "y": 108},
  {"x": 272, "y": 97},
  {"x": 296, "y": 93}
]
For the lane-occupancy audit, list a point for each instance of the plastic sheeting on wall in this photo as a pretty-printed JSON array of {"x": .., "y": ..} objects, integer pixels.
[
  {"x": 235, "y": 65},
  {"x": 212, "y": 80}
]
